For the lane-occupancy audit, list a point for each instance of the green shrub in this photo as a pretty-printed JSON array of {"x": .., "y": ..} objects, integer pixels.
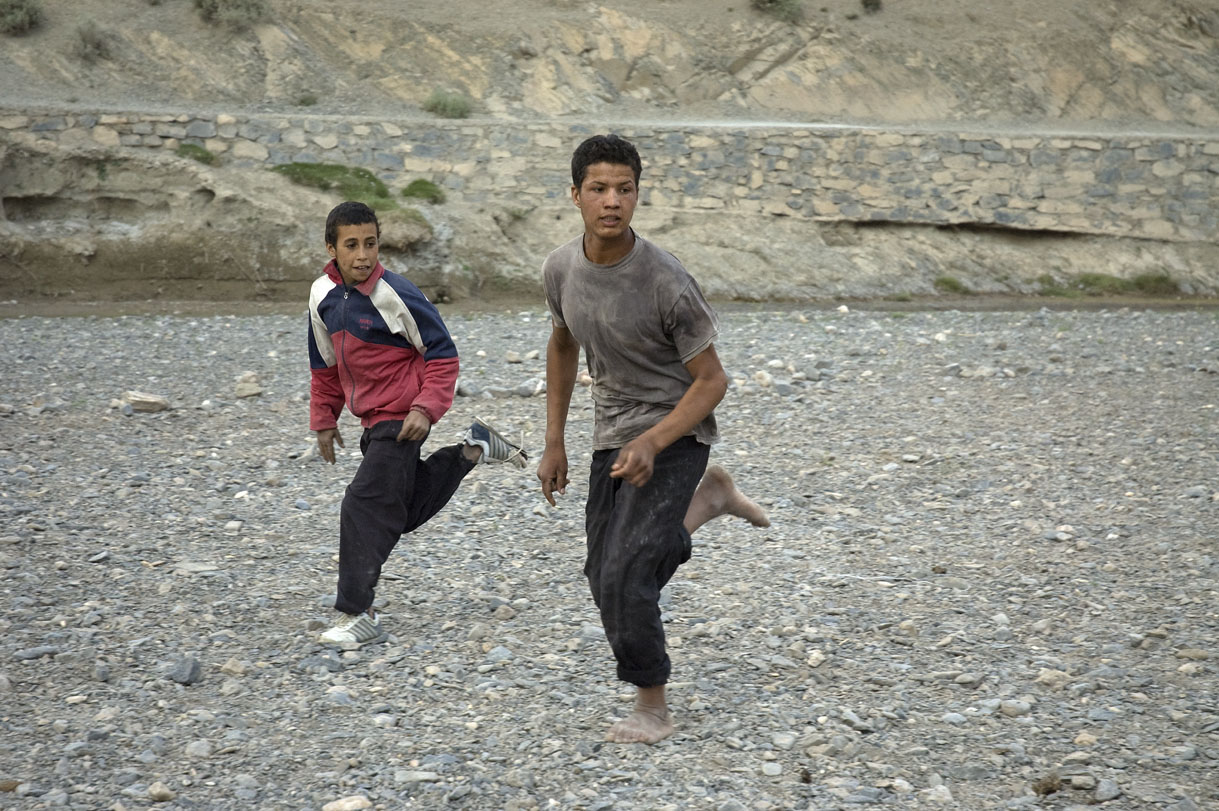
[
  {"x": 1101, "y": 284},
  {"x": 424, "y": 190},
  {"x": 448, "y": 104},
  {"x": 1047, "y": 285},
  {"x": 351, "y": 182},
  {"x": 19, "y": 16},
  {"x": 92, "y": 42},
  {"x": 949, "y": 284},
  {"x": 1155, "y": 284},
  {"x": 871, "y": 6},
  {"x": 306, "y": 100},
  {"x": 196, "y": 153},
  {"x": 235, "y": 14},
  {"x": 786, "y": 10}
]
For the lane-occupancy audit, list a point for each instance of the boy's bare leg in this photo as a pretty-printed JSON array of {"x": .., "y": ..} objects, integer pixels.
[
  {"x": 717, "y": 495},
  {"x": 649, "y": 722}
]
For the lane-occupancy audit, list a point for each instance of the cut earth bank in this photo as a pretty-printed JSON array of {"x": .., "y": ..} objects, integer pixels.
[
  {"x": 120, "y": 216},
  {"x": 137, "y": 223}
]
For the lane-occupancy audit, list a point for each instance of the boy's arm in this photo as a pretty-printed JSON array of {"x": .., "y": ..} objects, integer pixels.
[
  {"x": 562, "y": 363},
  {"x": 635, "y": 460},
  {"x": 326, "y": 396},
  {"x": 418, "y": 320},
  {"x": 436, "y": 392}
]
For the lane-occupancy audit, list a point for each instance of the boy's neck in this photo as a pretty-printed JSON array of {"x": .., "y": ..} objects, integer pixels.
[{"x": 600, "y": 252}]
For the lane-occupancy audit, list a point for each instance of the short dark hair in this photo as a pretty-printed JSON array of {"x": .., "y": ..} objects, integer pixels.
[
  {"x": 604, "y": 149},
  {"x": 349, "y": 213}
]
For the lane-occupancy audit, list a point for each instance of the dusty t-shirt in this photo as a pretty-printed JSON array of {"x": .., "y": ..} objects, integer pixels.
[{"x": 639, "y": 320}]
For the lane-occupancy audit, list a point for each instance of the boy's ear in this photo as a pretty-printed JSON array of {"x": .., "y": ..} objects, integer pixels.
[{"x": 330, "y": 250}]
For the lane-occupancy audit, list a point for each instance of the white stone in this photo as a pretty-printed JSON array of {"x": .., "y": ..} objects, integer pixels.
[
  {"x": 105, "y": 136},
  {"x": 354, "y": 803},
  {"x": 144, "y": 402},
  {"x": 242, "y": 148}
]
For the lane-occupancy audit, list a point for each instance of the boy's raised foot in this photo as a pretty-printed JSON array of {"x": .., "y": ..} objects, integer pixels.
[
  {"x": 494, "y": 447},
  {"x": 718, "y": 495}
]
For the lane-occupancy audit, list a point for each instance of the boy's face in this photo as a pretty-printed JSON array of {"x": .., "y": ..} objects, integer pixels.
[
  {"x": 355, "y": 251},
  {"x": 607, "y": 199}
]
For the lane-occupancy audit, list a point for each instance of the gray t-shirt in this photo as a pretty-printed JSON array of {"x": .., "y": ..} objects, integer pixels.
[{"x": 639, "y": 320}]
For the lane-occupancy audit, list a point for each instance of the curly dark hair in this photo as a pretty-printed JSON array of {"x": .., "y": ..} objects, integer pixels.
[{"x": 604, "y": 149}]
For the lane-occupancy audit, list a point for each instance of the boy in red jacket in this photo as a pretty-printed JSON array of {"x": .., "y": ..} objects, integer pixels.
[{"x": 378, "y": 346}]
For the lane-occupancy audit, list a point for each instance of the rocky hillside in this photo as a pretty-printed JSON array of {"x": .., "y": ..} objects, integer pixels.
[
  {"x": 1120, "y": 63},
  {"x": 1123, "y": 66}
]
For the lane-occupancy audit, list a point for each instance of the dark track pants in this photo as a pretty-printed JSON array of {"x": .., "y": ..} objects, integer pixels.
[
  {"x": 392, "y": 493},
  {"x": 636, "y": 541}
]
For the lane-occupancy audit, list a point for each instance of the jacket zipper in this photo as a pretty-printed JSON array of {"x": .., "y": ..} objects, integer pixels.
[{"x": 351, "y": 400}]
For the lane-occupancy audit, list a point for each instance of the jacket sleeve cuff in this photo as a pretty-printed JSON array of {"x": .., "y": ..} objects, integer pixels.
[{"x": 425, "y": 411}]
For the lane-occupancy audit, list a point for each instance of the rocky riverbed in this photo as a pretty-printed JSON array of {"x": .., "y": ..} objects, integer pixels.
[{"x": 990, "y": 580}]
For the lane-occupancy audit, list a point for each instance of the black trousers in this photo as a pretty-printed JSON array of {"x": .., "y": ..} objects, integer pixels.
[
  {"x": 392, "y": 493},
  {"x": 636, "y": 541}
]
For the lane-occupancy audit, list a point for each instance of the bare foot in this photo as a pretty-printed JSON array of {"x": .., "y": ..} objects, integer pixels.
[
  {"x": 717, "y": 495},
  {"x": 642, "y": 726}
]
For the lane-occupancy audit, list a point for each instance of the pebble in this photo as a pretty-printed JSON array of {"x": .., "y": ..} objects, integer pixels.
[
  {"x": 158, "y": 792},
  {"x": 354, "y": 803},
  {"x": 1106, "y": 790},
  {"x": 143, "y": 402},
  {"x": 186, "y": 671},
  {"x": 1022, "y": 554},
  {"x": 1014, "y": 709},
  {"x": 199, "y": 749}
]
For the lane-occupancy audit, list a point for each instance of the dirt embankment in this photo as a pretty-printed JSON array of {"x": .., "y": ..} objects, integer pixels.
[{"x": 154, "y": 227}]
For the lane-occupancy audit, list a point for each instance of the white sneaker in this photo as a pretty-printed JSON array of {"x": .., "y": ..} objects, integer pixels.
[
  {"x": 357, "y": 628},
  {"x": 495, "y": 447}
]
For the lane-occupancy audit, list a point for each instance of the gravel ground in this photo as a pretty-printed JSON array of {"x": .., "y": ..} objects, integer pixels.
[{"x": 990, "y": 582}]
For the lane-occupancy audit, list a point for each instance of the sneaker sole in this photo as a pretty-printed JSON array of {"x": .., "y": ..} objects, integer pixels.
[{"x": 381, "y": 637}]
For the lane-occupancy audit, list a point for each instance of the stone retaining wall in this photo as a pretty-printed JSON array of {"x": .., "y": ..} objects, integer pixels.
[{"x": 1154, "y": 187}]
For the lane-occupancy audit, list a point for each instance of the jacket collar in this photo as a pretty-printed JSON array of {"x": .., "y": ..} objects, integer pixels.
[{"x": 365, "y": 287}]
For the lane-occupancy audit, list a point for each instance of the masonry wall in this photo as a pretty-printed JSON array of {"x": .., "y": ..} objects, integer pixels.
[{"x": 1152, "y": 187}]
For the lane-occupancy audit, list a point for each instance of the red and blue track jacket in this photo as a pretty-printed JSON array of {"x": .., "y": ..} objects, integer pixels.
[{"x": 380, "y": 347}]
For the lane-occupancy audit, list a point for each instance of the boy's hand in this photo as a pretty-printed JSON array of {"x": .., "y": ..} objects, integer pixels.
[
  {"x": 552, "y": 472},
  {"x": 634, "y": 462},
  {"x": 415, "y": 426},
  {"x": 325, "y": 443}
]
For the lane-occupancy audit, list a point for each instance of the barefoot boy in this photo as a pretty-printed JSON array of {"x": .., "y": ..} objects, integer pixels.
[
  {"x": 647, "y": 334},
  {"x": 378, "y": 346}
]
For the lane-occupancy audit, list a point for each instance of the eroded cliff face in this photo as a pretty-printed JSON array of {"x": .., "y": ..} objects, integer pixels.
[
  {"x": 127, "y": 223},
  {"x": 1042, "y": 63},
  {"x": 141, "y": 225},
  {"x": 100, "y": 224}
]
